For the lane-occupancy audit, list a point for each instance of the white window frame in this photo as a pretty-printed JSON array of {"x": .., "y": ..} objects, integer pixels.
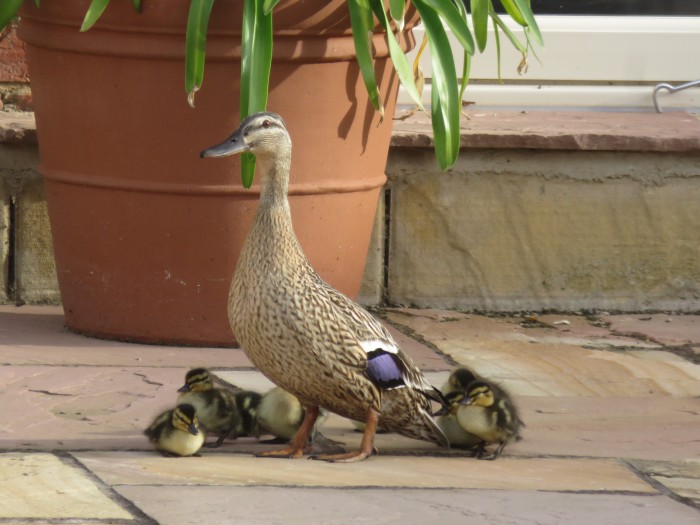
[{"x": 587, "y": 62}]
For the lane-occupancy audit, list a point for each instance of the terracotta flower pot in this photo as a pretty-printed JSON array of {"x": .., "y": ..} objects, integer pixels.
[{"x": 146, "y": 235}]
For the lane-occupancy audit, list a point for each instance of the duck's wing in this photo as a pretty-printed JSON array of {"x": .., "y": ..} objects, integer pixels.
[{"x": 369, "y": 346}]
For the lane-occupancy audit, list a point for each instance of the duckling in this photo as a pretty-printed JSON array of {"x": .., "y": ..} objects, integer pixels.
[
  {"x": 248, "y": 403},
  {"x": 216, "y": 408},
  {"x": 486, "y": 411},
  {"x": 176, "y": 432},
  {"x": 281, "y": 414},
  {"x": 459, "y": 379},
  {"x": 304, "y": 335}
]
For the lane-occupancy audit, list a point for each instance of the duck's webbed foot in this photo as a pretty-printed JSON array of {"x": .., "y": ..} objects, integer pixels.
[
  {"x": 366, "y": 447},
  {"x": 299, "y": 444}
]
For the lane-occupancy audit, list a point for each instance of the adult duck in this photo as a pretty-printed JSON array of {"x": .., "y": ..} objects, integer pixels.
[{"x": 304, "y": 335}]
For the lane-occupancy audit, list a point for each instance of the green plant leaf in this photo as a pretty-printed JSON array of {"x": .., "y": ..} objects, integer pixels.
[
  {"x": 498, "y": 48},
  {"x": 8, "y": 10},
  {"x": 195, "y": 44},
  {"x": 467, "y": 58},
  {"x": 362, "y": 25},
  {"x": 524, "y": 7},
  {"x": 256, "y": 61},
  {"x": 513, "y": 11},
  {"x": 452, "y": 16},
  {"x": 93, "y": 14},
  {"x": 136, "y": 4},
  {"x": 446, "y": 106},
  {"x": 269, "y": 5},
  {"x": 403, "y": 68},
  {"x": 480, "y": 19},
  {"x": 506, "y": 31},
  {"x": 397, "y": 8}
]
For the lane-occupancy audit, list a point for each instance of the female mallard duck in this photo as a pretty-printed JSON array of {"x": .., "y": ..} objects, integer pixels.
[
  {"x": 176, "y": 432},
  {"x": 486, "y": 411},
  {"x": 305, "y": 336},
  {"x": 216, "y": 408},
  {"x": 281, "y": 414}
]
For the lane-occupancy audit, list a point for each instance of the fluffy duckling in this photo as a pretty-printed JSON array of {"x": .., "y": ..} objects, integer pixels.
[
  {"x": 459, "y": 379},
  {"x": 248, "y": 403},
  {"x": 486, "y": 411},
  {"x": 176, "y": 432},
  {"x": 217, "y": 408},
  {"x": 281, "y": 414}
]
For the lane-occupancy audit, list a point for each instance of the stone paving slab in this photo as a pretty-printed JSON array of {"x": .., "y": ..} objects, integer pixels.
[
  {"x": 667, "y": 329},
  {"x": 610, "y": 408},
  {"x": 555, "y": 361},
  {"x": 32, "y": 335},
  {"x": 77, "y": 408},
  {"x": 43, "y": 486},
  {"x": 680, "y": 477},
  {"x": 561, "y": 474},
  {"x": 292, "y": 506}
]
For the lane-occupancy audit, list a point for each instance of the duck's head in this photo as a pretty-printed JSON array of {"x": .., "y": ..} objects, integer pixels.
[
  {"x": 479, "y": 393},
  {"x": 185, "y": 419},
  {"x": 197, "y": 380},
  {"x": 263, "y": 134}
]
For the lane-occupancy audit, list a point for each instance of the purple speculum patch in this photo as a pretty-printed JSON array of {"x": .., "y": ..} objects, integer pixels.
[{"x": 383, "y": 369}]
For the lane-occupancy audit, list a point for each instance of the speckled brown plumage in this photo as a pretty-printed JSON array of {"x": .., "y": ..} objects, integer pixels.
[{"x": 301, "y": 333}]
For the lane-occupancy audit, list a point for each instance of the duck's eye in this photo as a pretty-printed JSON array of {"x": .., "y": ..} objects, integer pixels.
[{"x": 266, "y": 124}]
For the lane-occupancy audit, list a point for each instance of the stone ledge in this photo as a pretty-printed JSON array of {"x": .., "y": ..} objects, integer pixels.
[
  {"x": 552, "y": 130},
  {"x": 17, "y": 128},
  {"x": 562, "y": 130}
]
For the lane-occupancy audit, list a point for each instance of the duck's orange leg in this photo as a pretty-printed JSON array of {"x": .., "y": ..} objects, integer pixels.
[
  {"x": 366, "y": 447},
  {"x": 297, "y": 447}
]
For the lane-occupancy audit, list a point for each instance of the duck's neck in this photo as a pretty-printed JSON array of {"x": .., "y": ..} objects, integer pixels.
[
  {"x": 272, "y": 225},
  {"x": 274, "y": 182}
]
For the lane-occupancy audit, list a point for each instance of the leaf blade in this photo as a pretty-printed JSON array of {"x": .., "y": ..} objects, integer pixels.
[
  {"x": 446, "y": 106},
  {"x": 195, "y": 46},
  {"x": 524, "y": 7},
  {"x": 93, "y": 14},
  {"x": 398, "y": 57},
  {"x": 256, "y": 62},
  {"x": 455, "y": 20},
  {"x": 480, "y": 18},
  {"x": 8, "y": 10},
  {"x": 362, "y": 22}
]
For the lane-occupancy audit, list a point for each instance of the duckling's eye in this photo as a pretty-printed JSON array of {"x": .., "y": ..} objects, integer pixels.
[{"x": 266, "y": 124}]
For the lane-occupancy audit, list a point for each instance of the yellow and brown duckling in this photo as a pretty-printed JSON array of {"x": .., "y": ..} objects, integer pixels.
[
  {"x": 487, "y": 412},
  {"x": 177, "y": 432},
  {"x": 248, "y": 403},
  {"x": 217, "y": 408},
  {"x": 304, "y": 335},
  {"x": 281, "y": 414},
  {"x": 460, "y": 379}
]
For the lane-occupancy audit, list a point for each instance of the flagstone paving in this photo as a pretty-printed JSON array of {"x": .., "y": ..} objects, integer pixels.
[{"x": 611, "y": 403}]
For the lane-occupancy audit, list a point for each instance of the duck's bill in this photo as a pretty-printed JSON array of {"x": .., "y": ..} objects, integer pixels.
[
  {"x": 193, "y": 430},
  {"x": 442, "y": 412},
  {"x": 184, "y": 388},
  {"x": 231, "y": 146}
]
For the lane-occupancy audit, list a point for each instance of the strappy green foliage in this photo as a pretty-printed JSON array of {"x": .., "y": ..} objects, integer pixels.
[{"x": 257, "y": 42}]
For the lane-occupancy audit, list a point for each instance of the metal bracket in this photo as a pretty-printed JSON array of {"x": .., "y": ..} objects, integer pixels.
[{"x": 671, "y": 89}]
